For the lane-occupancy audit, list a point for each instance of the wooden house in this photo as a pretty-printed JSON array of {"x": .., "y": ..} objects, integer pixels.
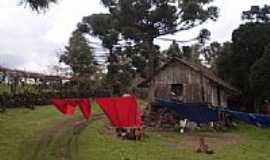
[{"x": 189, "y": 83}]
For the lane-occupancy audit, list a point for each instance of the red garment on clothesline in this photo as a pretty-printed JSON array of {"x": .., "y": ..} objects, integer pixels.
[
  {"x": 68, "y": 106},
  {"x": 123, "y": 112},
  {"x": 85, "y": 106}
]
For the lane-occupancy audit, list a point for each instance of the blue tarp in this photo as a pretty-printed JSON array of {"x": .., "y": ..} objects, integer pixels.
[
  {"x": 201, "y": 113},
  {"x": 251, "y": 118},
  {"x": 194, "y": 112}
]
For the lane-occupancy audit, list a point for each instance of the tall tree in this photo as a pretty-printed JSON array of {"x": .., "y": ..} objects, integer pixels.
[
  {"x": 120, "y": 73},
  {"x": 237, "y": 59},
  {"x": 174, "y": 50},
  {"x": 260, "y": 78},
  {"x": 257, "y": 14},
  {"x": 211, "y": 53},
  {"x": 249, "y": 42},
  {"x": 106, "y": 29},
  {"x": 192, "y": 53},
  {"x": 144, "y": 20},
  {"x": 136, "y": 23},
  {"x": 79, "y": 55},
  {"x": 221, "y": 63},
  {"x": 189, "y": 53},
  {"x": 104, "y": 26}
]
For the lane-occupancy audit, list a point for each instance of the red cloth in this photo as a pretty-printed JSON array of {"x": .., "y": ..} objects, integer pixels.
[
  {"x": 85, "y": 106},
  {"x": 122, "y": 111},
  {"x": 68, "y": 106}
]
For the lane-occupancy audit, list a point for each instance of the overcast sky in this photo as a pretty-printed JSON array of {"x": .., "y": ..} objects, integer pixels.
[{"x": 29, "y": 41}]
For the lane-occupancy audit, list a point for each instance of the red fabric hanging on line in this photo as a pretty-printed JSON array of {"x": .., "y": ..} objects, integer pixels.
[
  {"x": 68, "y": 106},
  {"x": 85, "y": 106},
  {"x": 123, "y": 112}
]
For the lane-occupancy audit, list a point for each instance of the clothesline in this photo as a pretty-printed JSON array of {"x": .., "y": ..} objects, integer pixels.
[
  {"x": 68, "y": 106},
  {"x": 123, "y": 112}
]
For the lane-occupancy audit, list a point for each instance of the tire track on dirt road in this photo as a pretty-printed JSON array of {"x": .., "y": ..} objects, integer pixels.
[{"x": 59, "y": 142}]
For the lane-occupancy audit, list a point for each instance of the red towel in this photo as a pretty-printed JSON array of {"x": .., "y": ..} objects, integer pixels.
[
  {"x": 68, "y": 106},
  {"x": 122, "y": 111}
]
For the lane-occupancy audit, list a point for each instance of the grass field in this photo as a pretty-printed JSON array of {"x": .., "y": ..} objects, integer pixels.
[
  {"x": 4, "y": 88},
  {"x": 44, "y": 134}
]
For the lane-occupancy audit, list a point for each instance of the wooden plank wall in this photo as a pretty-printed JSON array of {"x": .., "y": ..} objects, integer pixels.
[{"x": 193, "y": 83}]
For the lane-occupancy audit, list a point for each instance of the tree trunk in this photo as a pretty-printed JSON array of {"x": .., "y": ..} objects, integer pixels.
[{"x": 150, "y": 49}]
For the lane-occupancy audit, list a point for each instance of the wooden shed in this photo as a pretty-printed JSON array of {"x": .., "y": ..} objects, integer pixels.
[{"x": 189, "y": 83}]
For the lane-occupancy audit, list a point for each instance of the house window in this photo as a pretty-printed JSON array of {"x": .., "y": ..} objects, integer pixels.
[{"x": 177, "y": 91}]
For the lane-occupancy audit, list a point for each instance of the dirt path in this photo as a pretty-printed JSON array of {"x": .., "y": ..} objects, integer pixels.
[{"x": 59, "y": 142}]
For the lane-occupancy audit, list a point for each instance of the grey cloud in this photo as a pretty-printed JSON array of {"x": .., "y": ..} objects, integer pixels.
[{"x": 9, "y": 60}]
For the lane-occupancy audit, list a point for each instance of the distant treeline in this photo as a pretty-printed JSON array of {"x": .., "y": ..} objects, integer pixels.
[{"x": 34, "y": 98}]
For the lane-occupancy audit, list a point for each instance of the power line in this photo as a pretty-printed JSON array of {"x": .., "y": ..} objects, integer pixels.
[
  {"x": 96, "y": 43},
  {"x": 178, "y": 41}
]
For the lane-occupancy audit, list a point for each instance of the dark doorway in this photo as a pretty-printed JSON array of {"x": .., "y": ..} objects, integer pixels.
[{"x": 177, "y": 89}]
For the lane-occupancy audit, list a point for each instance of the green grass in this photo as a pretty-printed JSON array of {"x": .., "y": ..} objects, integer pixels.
[
  {"x": 248, "y": 142},
  {"x": 252, "y": 143},
  {"x": 17, "y": 126},
  {"x": 22, "y": 137},
  {"x": 4, "y": 88}
]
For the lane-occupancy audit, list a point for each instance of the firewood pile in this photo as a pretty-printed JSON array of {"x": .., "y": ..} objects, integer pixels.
[
  {"x": 162, "y": 118},
  {"x": 130, "y": 133},
  {"x": 156, "y": 117}
]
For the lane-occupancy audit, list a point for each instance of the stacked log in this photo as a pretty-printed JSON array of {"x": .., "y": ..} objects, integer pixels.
[
  {"x": 130, "y": 133},
  {"x": 156, "y": 117},
  {"x": 162, "y": 118}
]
